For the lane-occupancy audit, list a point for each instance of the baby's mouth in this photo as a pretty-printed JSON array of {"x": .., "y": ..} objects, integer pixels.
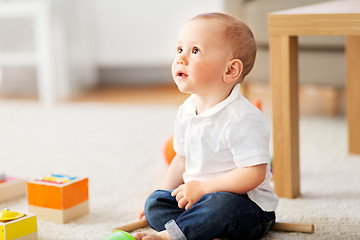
[{"x": 181, "y": 75}]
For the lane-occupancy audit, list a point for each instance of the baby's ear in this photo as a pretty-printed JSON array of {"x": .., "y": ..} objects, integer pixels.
[{"x": 234, "y": 69}]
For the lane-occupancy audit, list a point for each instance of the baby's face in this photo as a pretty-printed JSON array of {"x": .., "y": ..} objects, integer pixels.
[{"x": 201, "y": 57}]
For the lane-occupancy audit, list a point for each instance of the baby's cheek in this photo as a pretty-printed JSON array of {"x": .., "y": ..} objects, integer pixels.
[
  {"x": 173, "y": 67},
  {"x": 207, "y": 73}
]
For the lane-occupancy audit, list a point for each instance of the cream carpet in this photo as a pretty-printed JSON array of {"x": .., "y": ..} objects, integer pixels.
[{"x": 119, "y": 147}]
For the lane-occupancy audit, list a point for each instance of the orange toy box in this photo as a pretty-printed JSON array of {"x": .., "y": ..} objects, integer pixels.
[
  {"x": 58, "y": 198},
  {"x": 11, "y": 187},
  {"x": 16, "y": 225}
]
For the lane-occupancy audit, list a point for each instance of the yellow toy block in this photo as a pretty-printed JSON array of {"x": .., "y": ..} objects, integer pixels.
[
  {"x": 15, "y": 225},
  {"x": 11, "y": 187},
  {"x": 58, "y": 199}
]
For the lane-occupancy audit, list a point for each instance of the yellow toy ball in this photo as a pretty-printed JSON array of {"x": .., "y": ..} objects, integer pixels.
[{"x": 169, "y": 152}]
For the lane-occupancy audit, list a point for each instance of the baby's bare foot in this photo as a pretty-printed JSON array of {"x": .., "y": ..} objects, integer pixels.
[
  {"x": 145, "y": 236},
  {"x": 164, "y": 235}
]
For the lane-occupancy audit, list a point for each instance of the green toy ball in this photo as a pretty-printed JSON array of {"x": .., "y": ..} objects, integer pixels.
[{"x": 119, "y": 235}]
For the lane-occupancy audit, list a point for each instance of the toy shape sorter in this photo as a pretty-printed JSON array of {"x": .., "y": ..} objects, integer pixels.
[
  {"x": 58, "y": 198},
  {"x": 11, "y": 187},
  {"x": 15, "y": 225}
]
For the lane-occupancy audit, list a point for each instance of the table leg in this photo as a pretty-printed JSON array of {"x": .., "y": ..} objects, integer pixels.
[
  {"x": 352, "y": 92},
  {"x": 285, "y": 104}
]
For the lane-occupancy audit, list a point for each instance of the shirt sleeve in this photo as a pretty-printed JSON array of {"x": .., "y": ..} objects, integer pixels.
[{"x": 248, "y": 140}]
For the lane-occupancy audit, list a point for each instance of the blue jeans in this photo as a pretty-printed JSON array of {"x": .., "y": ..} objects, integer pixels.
[{"x": 219, "y": 214}]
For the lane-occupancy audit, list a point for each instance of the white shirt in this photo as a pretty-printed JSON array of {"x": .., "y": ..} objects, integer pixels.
[{"x": 232, "y": 134}]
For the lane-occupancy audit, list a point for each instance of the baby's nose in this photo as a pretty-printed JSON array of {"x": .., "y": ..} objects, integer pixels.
[{"x": 181, "y": 60}]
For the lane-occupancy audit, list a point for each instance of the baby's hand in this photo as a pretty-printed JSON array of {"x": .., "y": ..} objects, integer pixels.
[{"x": 188, "y": 194}]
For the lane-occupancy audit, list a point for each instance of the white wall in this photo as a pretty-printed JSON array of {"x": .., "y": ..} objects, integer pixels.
[
  {"x": 128, "y": 34},
  {"x": 143, "y": 32}
]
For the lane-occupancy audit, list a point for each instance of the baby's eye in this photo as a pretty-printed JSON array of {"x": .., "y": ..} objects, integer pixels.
[
  {"x": 195, "y": 50},
  {"x": 179, "y": 50}
]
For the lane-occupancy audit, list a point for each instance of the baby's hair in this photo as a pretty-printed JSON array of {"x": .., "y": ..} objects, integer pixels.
[{"x": 239, "y": 37}]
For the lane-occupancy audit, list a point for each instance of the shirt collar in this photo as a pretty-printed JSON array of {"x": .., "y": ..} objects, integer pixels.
[{"x": 235, "y": 93}]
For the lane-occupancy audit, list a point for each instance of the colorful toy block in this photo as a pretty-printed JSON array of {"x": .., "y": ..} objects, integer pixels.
[
  {"x": 15, "y": 225},
  {"x": 11, "y": 187},
  {"x": 58, "y": 198}
]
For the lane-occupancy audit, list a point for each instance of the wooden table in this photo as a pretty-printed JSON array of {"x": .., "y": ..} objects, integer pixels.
[{"x": 328, "y": 18}]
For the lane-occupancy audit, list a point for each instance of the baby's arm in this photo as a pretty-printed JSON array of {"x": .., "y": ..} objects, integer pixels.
[
  {"x": 173, "y": 177},
  {"x": 240, "y": 181},
  {"x": 174, "y": 174}
]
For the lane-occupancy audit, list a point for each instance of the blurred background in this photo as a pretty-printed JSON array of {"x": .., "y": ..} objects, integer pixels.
[{"x": 117, "y": 50}]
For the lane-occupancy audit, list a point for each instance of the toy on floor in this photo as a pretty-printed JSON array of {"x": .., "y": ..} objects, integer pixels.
[
  {"x": 258, "y": 104},
  {"x": 58, "y": 198},
  {"x": 8, "y": 214},
  {"x": 119, "y": 235},
  {"x": 278, "y": 226},
  {"x": 169, "y": 152},
  {"x": 132, "y": 226},
  {"x": 11, "y": 187},
  {"x": 17, "y": 225}
]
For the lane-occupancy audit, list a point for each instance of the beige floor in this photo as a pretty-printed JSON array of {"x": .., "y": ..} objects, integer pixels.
[{"x": 119, "y": 148}]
